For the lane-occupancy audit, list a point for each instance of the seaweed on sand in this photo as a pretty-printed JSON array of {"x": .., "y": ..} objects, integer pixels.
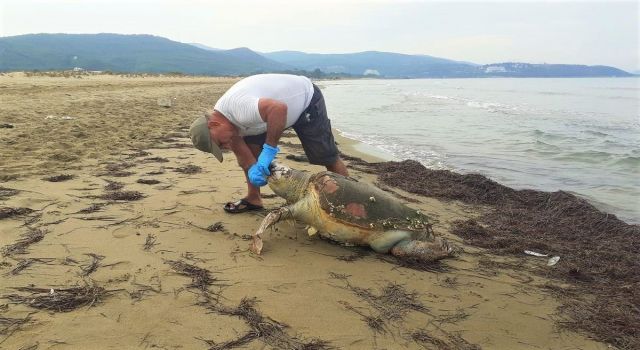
[
  {"x": 200, "y": 278},
  {"x": 414, "y": 264},
  {"x": 452, "y": 342},
  {"x": 118, "y": 173},
  {"x": 24, "y": 264},
  {"x": 357, "y": 254},
  {"x": 263, "y": 328},
  {"x": 156, "y": 172},
  {"x": 8, "y": 212},
  {"x": 450, "y": 282},
  {"x": 117, "y": 170},
  {"x": 231, "y": 344},
  {"x": 610, "y": 314},
  {"x": 453, "y": 317},
  {"x": 156, "y": 160},
  {"x": 295, "y": 146},
  {"x": 122, "y": 196},
  {"x": 599, "y": 252},
  {"x": 8, "y": 325},
  {"x": 413, "y": 177},
  {"x": 59, "y": 300},
  {"x": 20, "y": 247},
  {"x": 91, "y": 209},
  {"x": 392, "y": 303},
  {"x": 115, "y": 167},
  {"x": 288, "y": 134},
  {"x": 297, "y": 157},
  {"x": 137, "y": 153},
  {"x": 113, "y": 186},
  {"x": 216, "y": 227},
  {"x": 376, "y": 323},
  {"x": 389, "y": 307},
  {"x": 356, "y": 162},
  {"x": 143, "y": 290},
  {"x": 91, "y": 267},
  {"x": 189, "y": 169},
  {"x": 59, "y": 178},
  {"x": 6, "y": 192},
  {"x": 8, "y": 177},
  {"x": 150, "y": 242},
  {"x": 175, "y": 145},
  {"x": 423, "y": 338},
  {"x": 148, "y": 181}
]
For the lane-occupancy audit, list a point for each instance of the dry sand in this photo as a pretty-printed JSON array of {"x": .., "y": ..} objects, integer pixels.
[{"x": 348, "y": 297}]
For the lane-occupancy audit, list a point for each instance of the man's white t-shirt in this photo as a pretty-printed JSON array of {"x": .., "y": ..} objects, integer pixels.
[{"x": 240, "y": 103}]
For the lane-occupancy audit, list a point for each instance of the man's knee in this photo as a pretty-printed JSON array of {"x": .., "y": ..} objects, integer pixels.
[{"x": 338, "y": 167}]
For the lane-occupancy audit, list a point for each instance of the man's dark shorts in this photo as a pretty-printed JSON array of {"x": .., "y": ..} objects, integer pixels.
[{"x": 314, "y": 131}]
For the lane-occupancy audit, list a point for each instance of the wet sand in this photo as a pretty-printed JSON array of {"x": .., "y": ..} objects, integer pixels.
[{"x": 350, "y": 298}]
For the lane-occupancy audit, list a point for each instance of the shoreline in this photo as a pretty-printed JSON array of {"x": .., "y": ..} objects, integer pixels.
[
  {"x": 355, "y": 148},
  {"x": 368, "y": 153}
]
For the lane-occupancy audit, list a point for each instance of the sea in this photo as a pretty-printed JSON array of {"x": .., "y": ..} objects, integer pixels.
[{"x": 580, "y": 135}]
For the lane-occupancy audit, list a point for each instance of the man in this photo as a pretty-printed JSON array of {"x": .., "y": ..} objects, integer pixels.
[{"x": 249, "y": 120}]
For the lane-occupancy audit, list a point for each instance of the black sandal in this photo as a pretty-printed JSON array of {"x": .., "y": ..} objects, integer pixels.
[{"x": 241, "y": 206}]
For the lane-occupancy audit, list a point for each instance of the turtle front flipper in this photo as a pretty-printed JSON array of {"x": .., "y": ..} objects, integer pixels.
[
  {"x": 423, "y": 251},
  {"x": 271, "y": 219},
  {"x": 300, "y": 210}
]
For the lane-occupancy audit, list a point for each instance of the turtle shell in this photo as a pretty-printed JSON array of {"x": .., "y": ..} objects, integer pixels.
[{"x": 360, "y": 204}]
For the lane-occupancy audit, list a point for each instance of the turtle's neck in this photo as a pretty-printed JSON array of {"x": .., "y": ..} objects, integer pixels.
[{"x": 294, "y": 187}]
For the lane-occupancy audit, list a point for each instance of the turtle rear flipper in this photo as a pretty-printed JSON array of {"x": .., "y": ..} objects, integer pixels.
[{"x": 423, "y": 251}]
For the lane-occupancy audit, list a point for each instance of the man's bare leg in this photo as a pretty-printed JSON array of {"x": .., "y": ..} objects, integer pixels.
[
  {"x": 253, "y": 192},
  {"x": 338, "y": 167}
]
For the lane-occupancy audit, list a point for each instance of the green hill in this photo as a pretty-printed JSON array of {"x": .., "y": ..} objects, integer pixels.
[
  {"x": 394, "y": 65},
  {"x": 125, "y": 53},
  {"x": 523, "y": 70},
  {"x": 153, "y": 54},
  {"x": 385, "y": 64}
]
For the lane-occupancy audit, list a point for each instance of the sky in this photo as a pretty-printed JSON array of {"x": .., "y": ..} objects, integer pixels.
[{"x": 576, "y": 32}]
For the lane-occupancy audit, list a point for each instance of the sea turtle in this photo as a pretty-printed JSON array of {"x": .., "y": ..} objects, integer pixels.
[{"x": 346, "y": 210}]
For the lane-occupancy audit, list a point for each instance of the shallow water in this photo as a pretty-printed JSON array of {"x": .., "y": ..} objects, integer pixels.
[{"x": 579, "y": 135}]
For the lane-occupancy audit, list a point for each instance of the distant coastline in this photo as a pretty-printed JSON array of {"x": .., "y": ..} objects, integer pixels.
[
  {"x": 157, "y": 55},
  {"x": 79, "y": 73}
]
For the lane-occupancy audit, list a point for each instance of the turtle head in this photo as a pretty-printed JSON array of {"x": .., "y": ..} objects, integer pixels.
[
  {"x": 278, "y": 171},
  {"x": 287, "y": 183}
]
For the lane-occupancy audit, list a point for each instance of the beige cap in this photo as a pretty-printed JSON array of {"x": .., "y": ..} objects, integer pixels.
[{"x": 201, "y": 137}]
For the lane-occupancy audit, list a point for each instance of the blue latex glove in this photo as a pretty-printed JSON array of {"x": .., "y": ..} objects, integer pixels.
[
  {"x": 265, "y": 158},
  {"x": 256, "y": 177},
  {"x": 258, "y": 172}
]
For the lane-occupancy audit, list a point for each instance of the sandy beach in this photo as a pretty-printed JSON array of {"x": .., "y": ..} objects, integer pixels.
[{"x": 134, "y": 250}]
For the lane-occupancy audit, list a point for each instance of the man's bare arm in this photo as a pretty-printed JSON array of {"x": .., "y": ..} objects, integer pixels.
[
  {"x": 243, "y": 152},
  {"x": 274, "y": 113}
]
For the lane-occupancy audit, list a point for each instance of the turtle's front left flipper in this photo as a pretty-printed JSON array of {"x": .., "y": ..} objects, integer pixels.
[{"x": 271, "y": 219}]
